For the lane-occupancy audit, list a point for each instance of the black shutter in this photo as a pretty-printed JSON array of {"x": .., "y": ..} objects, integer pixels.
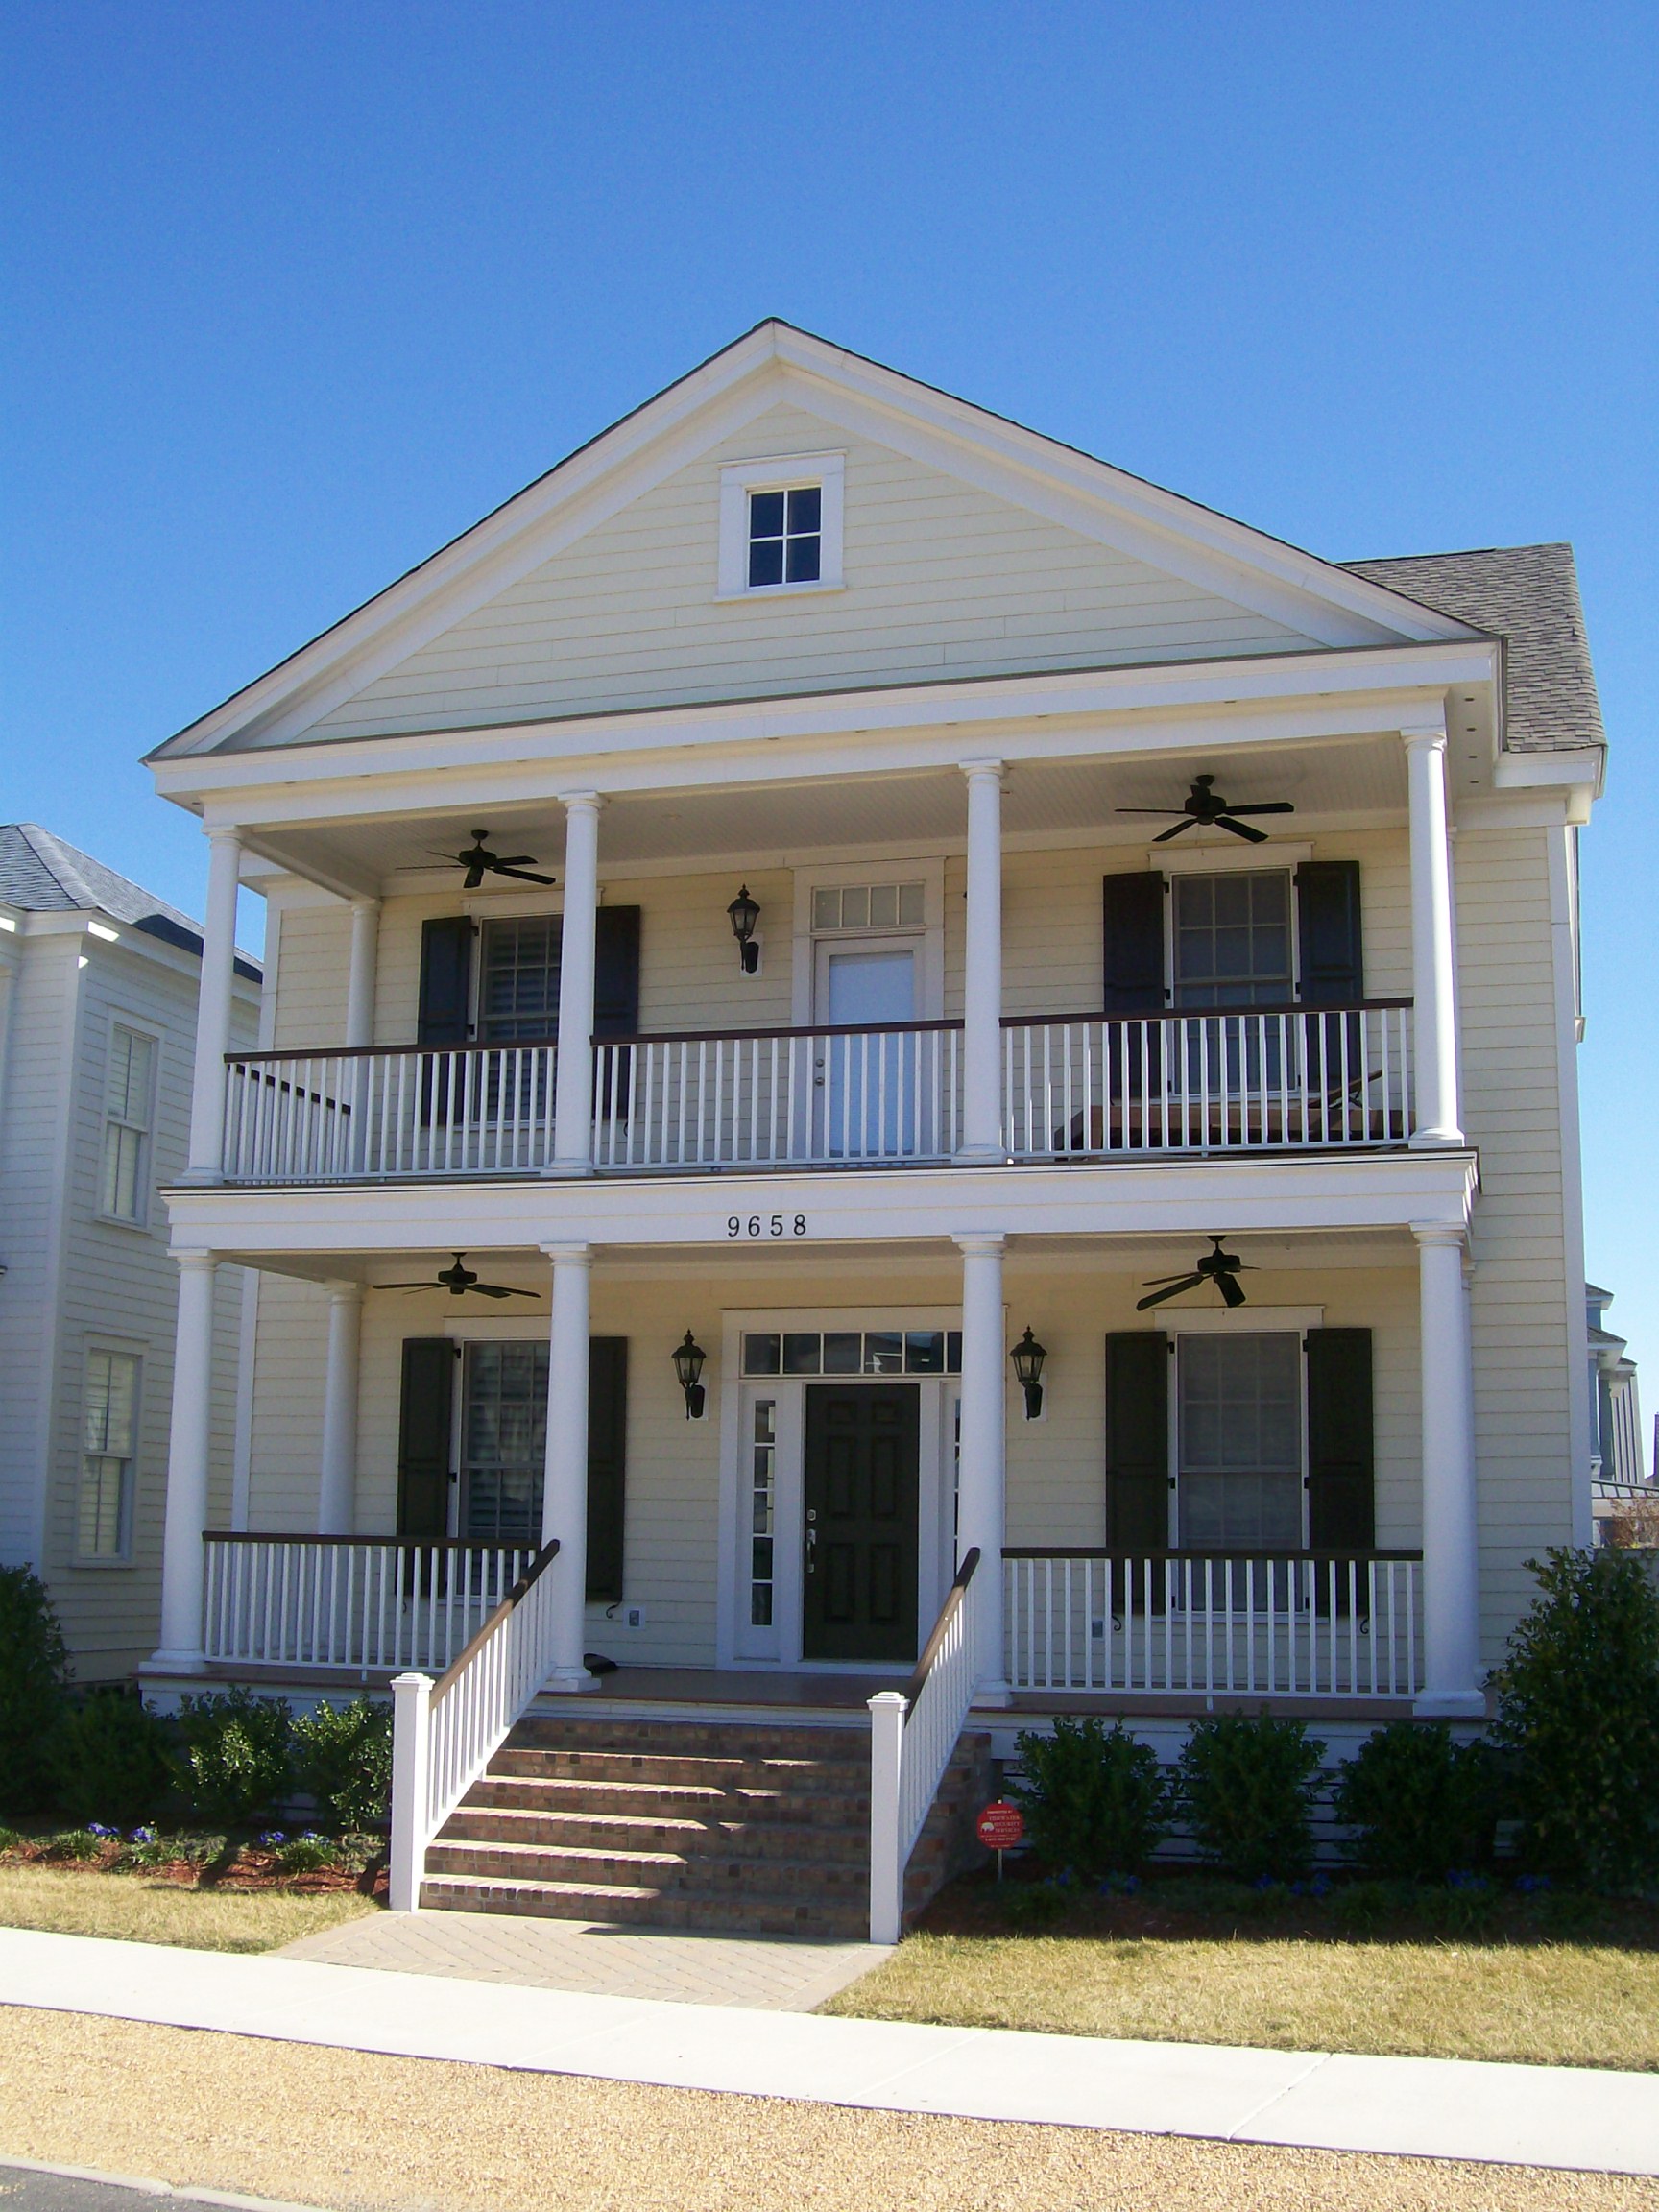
[
  {"x": 1341, "y": 1454},
  {"x": 1329, "y": 933},
  {"x": 617, "y": 973},
  {"x": 607, "y": 1464},
  {"x": 424, "y": 1437},
  {"x": 445, "y": 981},
  {"x": 1137, "y": 1440},
  {"x": 1134, "y": 935}
]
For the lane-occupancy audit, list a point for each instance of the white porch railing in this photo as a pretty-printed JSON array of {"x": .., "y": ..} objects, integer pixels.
[
  {"x": 1310, "y": 1623},
  {"x": 774, "y": 1096},
  {"x": 913, "y": 1733},
  {"x": 445, "y": 1735},
  {"x": 1255, "y": 1079},
  {"x": 363, "y": 1115},
  {"x": 350, "y": 1602}
]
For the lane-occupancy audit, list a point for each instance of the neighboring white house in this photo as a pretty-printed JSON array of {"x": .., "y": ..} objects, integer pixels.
[
  {"x": 915, "y": 701},
  {"x": 1618, "y": 1473},
  {"x": 98, "y": 989}
]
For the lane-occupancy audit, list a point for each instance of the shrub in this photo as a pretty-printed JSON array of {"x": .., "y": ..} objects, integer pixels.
[
  {"x": 342, "y": 1759},
  {"x": 32, "y": 1667},
  {"x": 1248, "y": 1785},
  {"x": 307, "y": 1854},
  {"x": 1095, "y": 1800},
  {"x": 108, "y": 1759},
  {"x": 75, "y": 1844},
  {"x": 1421, "y": 1802},
  {"x": 1578, "y": 1718},
  {"x": 234, "y": 1762}
]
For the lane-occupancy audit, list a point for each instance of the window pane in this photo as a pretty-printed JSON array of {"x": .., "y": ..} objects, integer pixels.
[
  {"x": 801, "y": 1353},
  {"x": 855, "y": 909},
  {"x": 883, "y": 906},
  {"x": 1233, "y": 939},
  {"x": 843, "y": 1350},
  {"x": 520, "y": 977},
  {"x": 762, "y": 1354},
  {"x": 766, "y": 560},
  {"x": 98, "y": 1529},
  {"x": 803, "y": 561},
  {"x": 806, "y": 508},
  {"x": 925, "y": 1352},
  {"x": 111, "y": 1402},
  {"x": 825, "y": 910},
  {"x": 883, "y": 1352},
  {"x": 123, "y": 1157},
  {"x": 131, "y": 1060},
  {"x": 910, "y": 902},
  {"x": 504, "y": 1441},
  {"x": 765, "y": 514},
  {"x": 1253, "y": 1511},
  {"x": 1241, "y": 1402}
]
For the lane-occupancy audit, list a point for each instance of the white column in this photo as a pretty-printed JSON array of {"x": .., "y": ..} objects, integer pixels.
[
  {"x": 887, "y": 1711},
  {"x": 573, "y": 1095},
  {"x": 981, "y": 1510},
  {"x": 1434, "y": 950},
  {"x": 1450, "y": 1528},
  {"x": 982, "y": 972},
  {"x": 188, "y": 1458},
  {"x": 360, "y": 975},
  {"x": 214, "y": 1006},
  {"x": 337, "y": 1488},
  {"x": 565, "y": 1487}
]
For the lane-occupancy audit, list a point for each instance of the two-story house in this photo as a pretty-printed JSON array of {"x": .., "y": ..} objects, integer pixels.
[
  {"x": 853, "y": 987},
  {"x": 98, "y": 987}
]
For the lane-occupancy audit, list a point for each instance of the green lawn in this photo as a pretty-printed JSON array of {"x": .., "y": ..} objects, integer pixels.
[
  {"x": 1543, "y": 2002},
  {"x": 144, "y": 1909}
]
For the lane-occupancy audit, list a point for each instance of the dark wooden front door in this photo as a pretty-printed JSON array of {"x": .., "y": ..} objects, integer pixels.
[{"x": 859, "y": 1574}]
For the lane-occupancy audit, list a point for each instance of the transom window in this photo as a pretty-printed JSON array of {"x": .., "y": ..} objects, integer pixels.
[
  {"x": 854, "y": 1352},
  {"x": 1239, "y": 1415},
  {"x": 869, "y": 907},
  {"x": 786, "y": 536},
  {"x": 1231, "y": 939},
  {"x": 108, "y": 1430},
  {"x": 128, "y": 1105}
]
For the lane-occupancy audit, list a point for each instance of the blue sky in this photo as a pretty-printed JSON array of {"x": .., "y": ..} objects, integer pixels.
[{"x": 295, "y": 293}]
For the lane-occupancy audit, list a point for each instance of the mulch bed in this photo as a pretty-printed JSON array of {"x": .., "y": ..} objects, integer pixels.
[{"x": 219, "y": 1862}]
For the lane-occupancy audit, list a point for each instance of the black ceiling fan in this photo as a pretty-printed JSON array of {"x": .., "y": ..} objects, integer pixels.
[
  {"x": 457, "y": 1281},
  {"x": 1204, "y": 808},
  {"x": 479, "y": 861},
  {"x": 1220, "y": 1267}
]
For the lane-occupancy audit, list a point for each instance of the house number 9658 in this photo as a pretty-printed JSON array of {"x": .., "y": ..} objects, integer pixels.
[{"x": 765, "y": 1225}]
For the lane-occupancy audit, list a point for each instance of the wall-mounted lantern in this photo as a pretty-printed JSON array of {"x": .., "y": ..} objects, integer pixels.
[
  {"x": 745, "y": 912},
  {"x": 1028, "y": 1357},
  {"x": 688, "y": 1359}
]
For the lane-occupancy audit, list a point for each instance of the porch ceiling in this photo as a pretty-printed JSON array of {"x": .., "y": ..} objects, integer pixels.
[{"x": 1330, "y": 783}]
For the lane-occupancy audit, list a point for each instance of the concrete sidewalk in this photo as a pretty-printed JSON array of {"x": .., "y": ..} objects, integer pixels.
[{"x": 1425, "y": 2107}]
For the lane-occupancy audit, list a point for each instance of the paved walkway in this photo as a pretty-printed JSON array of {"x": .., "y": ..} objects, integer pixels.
[
  {"x": 596, "y": 1957},
  {"x": 1425, "y": 2107}
]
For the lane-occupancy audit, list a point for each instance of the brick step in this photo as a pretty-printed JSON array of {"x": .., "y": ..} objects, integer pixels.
[
  {"x": 663, "y": 1872},
  {"x": 722, "y": 1738},
  {"x": 591, "y": 1831},
  {"x": 813, "y": 1920},
  {"x": 689, "y": 1768},
  {"x": 644, "y": 1800}
]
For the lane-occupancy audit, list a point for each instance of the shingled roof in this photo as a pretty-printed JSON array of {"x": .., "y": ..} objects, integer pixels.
[
  {"x": 42, "y": 874},
  {"x": 1528, "y": 596}
]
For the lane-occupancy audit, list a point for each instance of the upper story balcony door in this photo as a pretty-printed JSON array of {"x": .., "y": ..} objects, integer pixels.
[{"x": 869, "y": 948}]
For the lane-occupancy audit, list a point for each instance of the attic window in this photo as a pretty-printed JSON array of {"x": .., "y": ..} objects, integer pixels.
[
  {"x": 786, "y": 536},
  {"x": 781, "y": 525}
]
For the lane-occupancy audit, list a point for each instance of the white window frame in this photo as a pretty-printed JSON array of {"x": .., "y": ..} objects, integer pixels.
[
  {"x": 138, "y": 1027},
  {"x": 779, "y": 473},
  {"x": 122, "y": 1348}
]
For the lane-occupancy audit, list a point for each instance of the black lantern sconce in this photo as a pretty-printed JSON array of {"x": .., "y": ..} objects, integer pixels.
[
  {"x": 745, "y": 913},
  {"x": 688, "y": 1359},
  {"x": 1028, "y": 1357}
]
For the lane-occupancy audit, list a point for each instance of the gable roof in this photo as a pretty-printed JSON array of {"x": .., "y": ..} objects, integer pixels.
[
  {"x": 1330, "y": 605},
  {"x": 1528, "y": 596},
  {"x": 42, "y": 874}
]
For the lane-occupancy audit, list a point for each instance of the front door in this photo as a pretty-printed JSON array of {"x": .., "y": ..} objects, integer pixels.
[{"x": 861, "y": 1495}]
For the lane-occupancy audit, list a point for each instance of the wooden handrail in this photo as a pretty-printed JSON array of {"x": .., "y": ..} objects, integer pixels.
[
  {"x": 1204, "y": 1012},
  {"x": 374, "y": 1543},
  {"x": 497, "y": 1620},
  {"x": 947, "y": 1612},
  {"x": 394, "y": 1051},
  {"x": 1238, "y": 1552}
]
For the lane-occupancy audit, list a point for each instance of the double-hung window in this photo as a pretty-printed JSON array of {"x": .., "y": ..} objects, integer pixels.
[
  {"x": 1240, "y": 1439},
  {"x": 1233, "y": 939},
  {"x": 129, "y": 1110},
  {"x": 109, "y": 1441}
]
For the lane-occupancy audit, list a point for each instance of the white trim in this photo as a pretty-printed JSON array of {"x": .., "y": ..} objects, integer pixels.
[
  {"x": 1263, "y": 1320},
  {"x": 1231, "y": 858},
  {"x": 779, "y": 473},
  {"x": 1564, "y": 991}
]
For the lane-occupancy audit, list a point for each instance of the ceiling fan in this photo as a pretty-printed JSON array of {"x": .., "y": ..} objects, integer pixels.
[
  {"x": 1204, "y": 808},
  {"x": 1220, "y": 1267},
  {"x": 479, "y": 861},
  {"x": 457, "y": 1281}
]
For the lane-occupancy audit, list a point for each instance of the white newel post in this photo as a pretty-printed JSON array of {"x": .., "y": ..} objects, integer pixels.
[
  {"x": 564, "y": 1486},
  {"x": 1451, "y": 1527},
  {"x": 337, "y": 1487},
  {"x": 1433, "y": 948},
  {"x": 887, "y": 1711},
  {"x": 360, "y": 974},
  {"x": 188, "y": 1458},
  {"x": 982, "y": 1509},
  {"x": 411, "y": 1757},
  {"x": 573, "y": 1088},
  {"x": 213, "y": 1007},
  {"x": 983, "y": 969}
]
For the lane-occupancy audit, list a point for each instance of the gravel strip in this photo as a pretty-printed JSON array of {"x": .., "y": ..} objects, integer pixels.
[{"x": 362, "y": 2133}]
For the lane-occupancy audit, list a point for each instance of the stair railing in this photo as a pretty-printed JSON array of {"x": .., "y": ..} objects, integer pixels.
[
  {"x": 913, "y": 1735},
  {"x": 445, "y": 1733}
]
